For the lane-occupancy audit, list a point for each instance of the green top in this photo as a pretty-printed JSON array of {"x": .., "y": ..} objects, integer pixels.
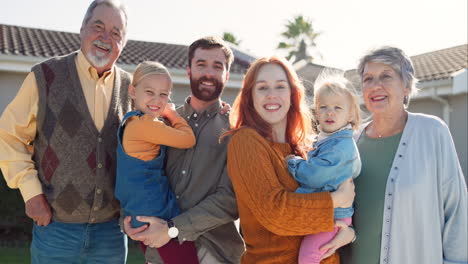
[{"x": 377, "y": 157}]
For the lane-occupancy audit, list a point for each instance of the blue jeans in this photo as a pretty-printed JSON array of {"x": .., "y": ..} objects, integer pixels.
[{"x": 60, "y": 243}]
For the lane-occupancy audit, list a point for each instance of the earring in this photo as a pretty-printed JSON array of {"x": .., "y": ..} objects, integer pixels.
[{"x": 405, "y": 100}]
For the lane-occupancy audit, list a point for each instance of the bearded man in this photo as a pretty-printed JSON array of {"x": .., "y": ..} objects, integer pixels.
[{"x": 198, "y": 176}]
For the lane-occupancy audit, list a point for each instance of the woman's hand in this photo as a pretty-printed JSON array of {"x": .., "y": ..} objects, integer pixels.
[
  {"x": 344, "y": 236},
  {"x": 343, "y": 197}
]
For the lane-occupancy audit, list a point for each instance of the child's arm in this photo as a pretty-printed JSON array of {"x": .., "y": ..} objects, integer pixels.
[
  {"x": 181, "y": 129},
  {"x": 148, "y": 129},
  {"x": 315, "y": 172},
  {"x": 327, "y": 168}
]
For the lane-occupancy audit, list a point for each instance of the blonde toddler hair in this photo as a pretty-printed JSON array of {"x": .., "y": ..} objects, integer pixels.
[{"x": 335, "y": 83}]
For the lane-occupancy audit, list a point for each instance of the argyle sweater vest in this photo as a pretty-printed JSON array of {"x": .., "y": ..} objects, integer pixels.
[{"x": 76, "y": 163}]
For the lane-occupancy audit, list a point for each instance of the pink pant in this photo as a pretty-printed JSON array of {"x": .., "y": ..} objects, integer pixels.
[{"x": 309, "y": 252}]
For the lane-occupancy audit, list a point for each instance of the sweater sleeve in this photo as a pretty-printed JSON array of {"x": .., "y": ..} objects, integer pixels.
[
  {"x": 454, "y": 194},
  {"x": 256, "y": 183},
  {"x": 147, "y": 129}
]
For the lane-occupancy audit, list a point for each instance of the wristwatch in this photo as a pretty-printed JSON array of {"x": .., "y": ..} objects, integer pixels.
[{"x": 173, "y": 232}]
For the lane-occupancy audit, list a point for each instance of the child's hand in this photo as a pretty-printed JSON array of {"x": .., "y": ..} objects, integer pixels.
[
  {"x": 343, "y": 197},
  {"x": 169, "y": 111},
  {"x": 288, "y": 157}
]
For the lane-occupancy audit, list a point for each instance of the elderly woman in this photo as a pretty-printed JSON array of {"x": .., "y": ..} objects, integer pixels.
[
  {"x": 269, "y": 122},
  {"x": 411, "y": 198}
]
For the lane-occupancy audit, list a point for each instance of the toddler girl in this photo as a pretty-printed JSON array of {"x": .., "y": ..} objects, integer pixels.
[{"x": 333, "y": 159}]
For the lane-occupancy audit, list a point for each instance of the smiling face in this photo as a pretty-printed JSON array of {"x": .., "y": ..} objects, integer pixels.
[
  {"x": 151, "y": 94},
  {"x": 271, "y": 95},
  {"x": 208, "y": 74},
  {"x": 333, "y": 111},
  {"x": 103, "y": 37},
  {"x": 383, "y": 89}
]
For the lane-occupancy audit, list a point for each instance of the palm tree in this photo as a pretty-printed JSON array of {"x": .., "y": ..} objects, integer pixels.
[
  {"x": 300, "y": 35},
  {"x": 229, "y": 37}
]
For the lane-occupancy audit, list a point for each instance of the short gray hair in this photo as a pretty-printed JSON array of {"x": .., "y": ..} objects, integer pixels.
[
  {"x": 397, "y": 60},
  {"x": 110, "y": 3}
]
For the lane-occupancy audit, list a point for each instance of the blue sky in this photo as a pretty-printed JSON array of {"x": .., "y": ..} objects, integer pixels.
[{"x": 349, "y": 28}]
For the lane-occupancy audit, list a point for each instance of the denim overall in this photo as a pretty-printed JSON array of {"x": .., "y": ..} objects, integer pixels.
[{"x": 141, "y": 186}]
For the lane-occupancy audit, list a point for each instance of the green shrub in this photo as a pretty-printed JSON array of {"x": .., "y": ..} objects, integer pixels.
[{"x": 15, "y": 226}]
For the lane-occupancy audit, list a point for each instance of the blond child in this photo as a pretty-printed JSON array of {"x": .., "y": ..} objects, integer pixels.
[
  {"x": 142, "y": 187},
  {"x": 334, "y": 157}
]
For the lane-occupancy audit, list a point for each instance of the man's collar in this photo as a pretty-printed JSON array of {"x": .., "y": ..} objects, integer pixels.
[{"x": 212, "y": 109}]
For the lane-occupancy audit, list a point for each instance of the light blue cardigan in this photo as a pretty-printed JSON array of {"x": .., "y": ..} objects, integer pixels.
[{"x": 425, "y": 215}]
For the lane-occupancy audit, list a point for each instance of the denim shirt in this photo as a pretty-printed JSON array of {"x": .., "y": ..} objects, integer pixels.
[
  {"x": 141, "y": 186},
  {"x": 333, "y": 160}
]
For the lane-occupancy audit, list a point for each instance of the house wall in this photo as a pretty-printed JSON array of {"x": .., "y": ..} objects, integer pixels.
[
  {"x": 10, "y": 83},
  {"x": 459, "y": 129},
  {"x": 426, "y": 106}
]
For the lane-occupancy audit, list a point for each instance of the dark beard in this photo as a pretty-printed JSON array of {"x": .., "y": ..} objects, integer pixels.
[{"x": 205, "y": 94}]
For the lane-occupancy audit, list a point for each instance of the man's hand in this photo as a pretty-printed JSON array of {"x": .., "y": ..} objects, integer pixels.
[
  {"x": 344, "y": 236},
  {"x": 226, "y": 108},
  {"x": 38, "y": 209},
  {"x": 155, "y": 235},
  {"x": 130, "y": 231}
]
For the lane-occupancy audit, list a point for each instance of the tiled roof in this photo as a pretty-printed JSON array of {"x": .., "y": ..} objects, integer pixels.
[
  {"x": 23, "y": 41},
  {"x": 435, "y": 65},
  {"x": 440, "y": 64}
]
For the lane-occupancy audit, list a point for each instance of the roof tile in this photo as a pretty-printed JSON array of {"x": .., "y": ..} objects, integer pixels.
[{"x": 16, "y": 40}]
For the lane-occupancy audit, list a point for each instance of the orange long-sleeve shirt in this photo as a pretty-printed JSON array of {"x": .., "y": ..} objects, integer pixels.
[
  {"x": 273, "y": 218},
  {"x": 143, "y": 136}
]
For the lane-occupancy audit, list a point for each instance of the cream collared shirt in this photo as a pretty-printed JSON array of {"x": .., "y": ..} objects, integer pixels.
[{"x": 18, "y": 124}]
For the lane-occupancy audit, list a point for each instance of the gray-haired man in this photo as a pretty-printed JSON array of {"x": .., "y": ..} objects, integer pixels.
[{"x": 70, "y": 107}]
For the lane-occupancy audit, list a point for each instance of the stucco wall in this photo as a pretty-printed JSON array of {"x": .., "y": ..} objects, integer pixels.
[
  {"x": 11, "y": 82},
  {"x": 459, "y": 128},
  {"x": 427, "y": 106},
  {"x": 9, "y": 85}
]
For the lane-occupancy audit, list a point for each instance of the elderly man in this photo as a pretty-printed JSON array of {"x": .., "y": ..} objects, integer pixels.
[
  {"x": 68, "y": 109},
  {"x": 198, "y": 176}
]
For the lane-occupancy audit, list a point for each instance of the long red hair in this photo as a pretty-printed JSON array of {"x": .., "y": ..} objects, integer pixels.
[{"x": 243, "y": 113}]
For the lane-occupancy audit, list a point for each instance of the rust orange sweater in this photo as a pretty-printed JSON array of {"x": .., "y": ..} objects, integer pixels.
[{"x": 273, "y": 218}]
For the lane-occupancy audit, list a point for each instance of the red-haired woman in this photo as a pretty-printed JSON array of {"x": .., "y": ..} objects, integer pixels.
[{"x": 270, "y": 121}]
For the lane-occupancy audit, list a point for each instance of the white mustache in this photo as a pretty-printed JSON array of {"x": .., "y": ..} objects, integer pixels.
[{"x": 102, "y": 44}]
